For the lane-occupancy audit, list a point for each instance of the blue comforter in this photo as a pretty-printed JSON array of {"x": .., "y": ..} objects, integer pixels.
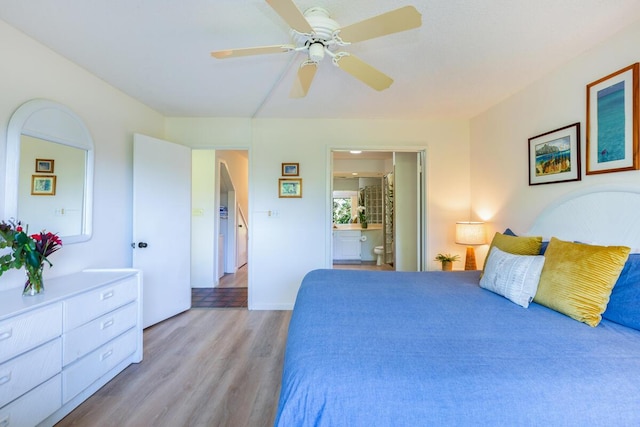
[{"x": 418, "y": 349}]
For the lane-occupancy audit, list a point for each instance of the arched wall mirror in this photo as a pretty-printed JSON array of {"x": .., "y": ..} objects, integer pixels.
[{"x": 50, "y": 160}]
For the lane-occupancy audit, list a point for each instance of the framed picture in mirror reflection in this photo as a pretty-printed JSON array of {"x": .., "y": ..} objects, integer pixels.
[
  {"x": 44, "y": 165},
  {"x": 43, "y": 185}
]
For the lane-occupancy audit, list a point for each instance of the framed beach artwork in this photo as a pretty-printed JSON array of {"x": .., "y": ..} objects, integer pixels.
[
  {"x": 44, "y": 165},
  {"x": 290, "y": 169},
  {"x": 612, "y": 122},
  {"x": 290, "y": 187},
  {"x": 43, "y": 185},
  {"x": 555, "y": 156}
]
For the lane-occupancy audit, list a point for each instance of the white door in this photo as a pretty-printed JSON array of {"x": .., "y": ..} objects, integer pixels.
[
  {"x": 162, "y": 226},
  {"x": 408, "y": 207}
]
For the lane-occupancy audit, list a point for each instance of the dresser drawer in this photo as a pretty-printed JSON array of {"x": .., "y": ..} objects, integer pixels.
[
  {"x": 34, "y": 406},
  {"x": 21, "y": 374},
  {"x": 26, "y": 331},
  {"x": 90, "y": 305},
  {"x": 88, "y": 337},
  {"x": 79, "y": 375}
]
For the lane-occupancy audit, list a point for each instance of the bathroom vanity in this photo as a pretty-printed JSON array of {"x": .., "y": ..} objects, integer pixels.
[{"x": 351, "y": 242}]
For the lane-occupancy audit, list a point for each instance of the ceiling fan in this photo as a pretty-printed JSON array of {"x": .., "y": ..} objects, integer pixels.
[{"x": 315, "y": 33}]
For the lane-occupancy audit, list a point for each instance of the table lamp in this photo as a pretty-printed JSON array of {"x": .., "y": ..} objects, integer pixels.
[{"x": 470, "y": 233}]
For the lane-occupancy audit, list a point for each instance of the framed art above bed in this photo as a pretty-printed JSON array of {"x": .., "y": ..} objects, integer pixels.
[
  {"x": 555, "y": 156},
  {"x": 612, "y": 122}
]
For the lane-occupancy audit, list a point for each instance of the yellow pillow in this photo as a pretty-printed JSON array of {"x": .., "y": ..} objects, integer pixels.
[
  {"x": 577, "y": 279},
  {"x": 517, "y": 245}
]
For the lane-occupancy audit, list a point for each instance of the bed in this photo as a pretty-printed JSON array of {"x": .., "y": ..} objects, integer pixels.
[{"x": 434, "y": 348}]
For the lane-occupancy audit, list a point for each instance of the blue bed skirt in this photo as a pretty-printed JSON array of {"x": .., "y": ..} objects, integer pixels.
[{"x": 433, "y": 348}]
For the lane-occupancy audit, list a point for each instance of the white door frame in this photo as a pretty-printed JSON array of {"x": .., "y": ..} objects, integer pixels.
[{"x": 421, "y": 189}]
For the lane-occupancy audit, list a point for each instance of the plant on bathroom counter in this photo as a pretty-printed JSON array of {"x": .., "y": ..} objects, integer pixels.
[
  {"x": 362, "y": 216},
  {"x": 447, "y": 260}
]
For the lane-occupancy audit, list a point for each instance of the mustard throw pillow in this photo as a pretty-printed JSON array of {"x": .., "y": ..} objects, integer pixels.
[
  {"x": 516, "y": 245},
  {"x": 577, "y": 279}
]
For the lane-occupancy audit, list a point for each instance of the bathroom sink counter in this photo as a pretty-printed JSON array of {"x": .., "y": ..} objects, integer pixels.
[{"x": 357, "y": 227}]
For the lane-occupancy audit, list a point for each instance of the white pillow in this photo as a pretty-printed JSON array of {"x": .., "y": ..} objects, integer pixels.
[{"x": 515, "y": 277}]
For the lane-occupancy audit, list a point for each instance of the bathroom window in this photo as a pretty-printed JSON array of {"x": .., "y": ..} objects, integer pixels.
[
  {"x": 345, "y": 206},
  {"x": 342, "y": 210}
]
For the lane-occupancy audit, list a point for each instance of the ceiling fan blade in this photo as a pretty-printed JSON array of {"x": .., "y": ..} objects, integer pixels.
[
  {"x": 364, "y": 72},
  {"x": 301, "y": 85},
  {"x": 291, "y": 15},
  {"x": 395, "y": 21},
  {"x": 230, "y": 53}
]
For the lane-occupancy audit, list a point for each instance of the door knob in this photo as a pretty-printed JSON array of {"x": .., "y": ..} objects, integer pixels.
[{"x": 142, "y": 245}]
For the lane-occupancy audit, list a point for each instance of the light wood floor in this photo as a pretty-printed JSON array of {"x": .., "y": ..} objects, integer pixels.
[
  {"x": 239, "y": 279},
  {"x": 204, "y": 367},
  {"x": 364, "y": 266}
]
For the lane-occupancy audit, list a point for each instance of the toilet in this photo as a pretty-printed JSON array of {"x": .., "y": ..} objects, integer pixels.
[{"x": 379, "y": 250}]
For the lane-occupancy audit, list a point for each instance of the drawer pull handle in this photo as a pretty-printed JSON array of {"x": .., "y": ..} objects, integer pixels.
[
  {"x": 5, "y": 421},
  {"x": 106, "y": 355},
  {"x": 6, "y": 335},
  {"x": 106, "y": 324},
  {"x": 5, "y": 379},
  {"x": 106, "y": 295}
]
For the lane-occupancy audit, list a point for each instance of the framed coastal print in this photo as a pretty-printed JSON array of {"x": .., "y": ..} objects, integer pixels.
[
  {"x": 44, "y": 165},
  {"x": 43, "y": 185},
  {"x": 290, "y": 169},
  {"x": 290, "y": 187},
  {"x": 555, "y": 156},
  {"x": 612, "y": 122}
]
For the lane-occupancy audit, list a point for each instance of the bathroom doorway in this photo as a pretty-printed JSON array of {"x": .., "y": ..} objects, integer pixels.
[{"x": 382, "y": 226}]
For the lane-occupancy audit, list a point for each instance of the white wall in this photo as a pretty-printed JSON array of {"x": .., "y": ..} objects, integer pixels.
[
  {"x": 29, "y": 70},
  {"x": 499, "y": 137},
  {"x": 203, "y": 235},
  {"x": 284, "y": 248}
]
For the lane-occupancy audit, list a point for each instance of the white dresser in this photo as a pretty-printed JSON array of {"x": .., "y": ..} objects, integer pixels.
[{"x": 60, "y": 347}]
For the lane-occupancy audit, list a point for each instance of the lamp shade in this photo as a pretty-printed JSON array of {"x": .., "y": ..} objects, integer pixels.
[{"x": 470, "y": 233}]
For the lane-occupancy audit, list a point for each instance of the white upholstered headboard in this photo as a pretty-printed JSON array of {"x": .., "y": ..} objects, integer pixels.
[{"x": 599, "y": 215}]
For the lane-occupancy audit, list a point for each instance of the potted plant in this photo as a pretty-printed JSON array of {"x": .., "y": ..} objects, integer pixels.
[
  {"x": 362, "y": 217},
  {"x": 447, "y": 261},
  {"x": 28, "y": 251}
]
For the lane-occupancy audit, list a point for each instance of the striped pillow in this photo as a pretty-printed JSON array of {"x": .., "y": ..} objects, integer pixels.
[{"x": 577, "y": 279}]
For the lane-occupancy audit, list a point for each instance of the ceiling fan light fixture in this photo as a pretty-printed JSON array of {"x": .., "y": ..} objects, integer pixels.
[
  {"x": 315, "y": 32},
  {"x": 316, "y": 52}
]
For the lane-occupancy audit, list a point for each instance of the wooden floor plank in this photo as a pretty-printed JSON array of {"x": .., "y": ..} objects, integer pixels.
[{"x": 204, "y": 367}]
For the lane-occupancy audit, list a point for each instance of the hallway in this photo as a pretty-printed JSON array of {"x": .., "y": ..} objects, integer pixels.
[{"x": 231, "y": 292}]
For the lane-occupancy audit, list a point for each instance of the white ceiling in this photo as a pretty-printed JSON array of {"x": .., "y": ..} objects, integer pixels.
[{"x": 467, "y": 56}]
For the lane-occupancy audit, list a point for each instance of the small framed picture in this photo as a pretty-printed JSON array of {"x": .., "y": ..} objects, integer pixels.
[
  {"x": 43, "y": 185},
  {"x": 290, "y": 169},
  {"x": 612, "y": 122},
  {"x": 290, "y": 187},
  {"x": 44, "y": 165},
  {"x": 555, "y": 156}
]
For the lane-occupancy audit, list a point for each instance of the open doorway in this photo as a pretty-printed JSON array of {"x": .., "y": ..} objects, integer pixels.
[
  {"x": 233, "y": 223},
  {"x": 220, "y": 228},
  {"x": 377, "y": 200}
]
